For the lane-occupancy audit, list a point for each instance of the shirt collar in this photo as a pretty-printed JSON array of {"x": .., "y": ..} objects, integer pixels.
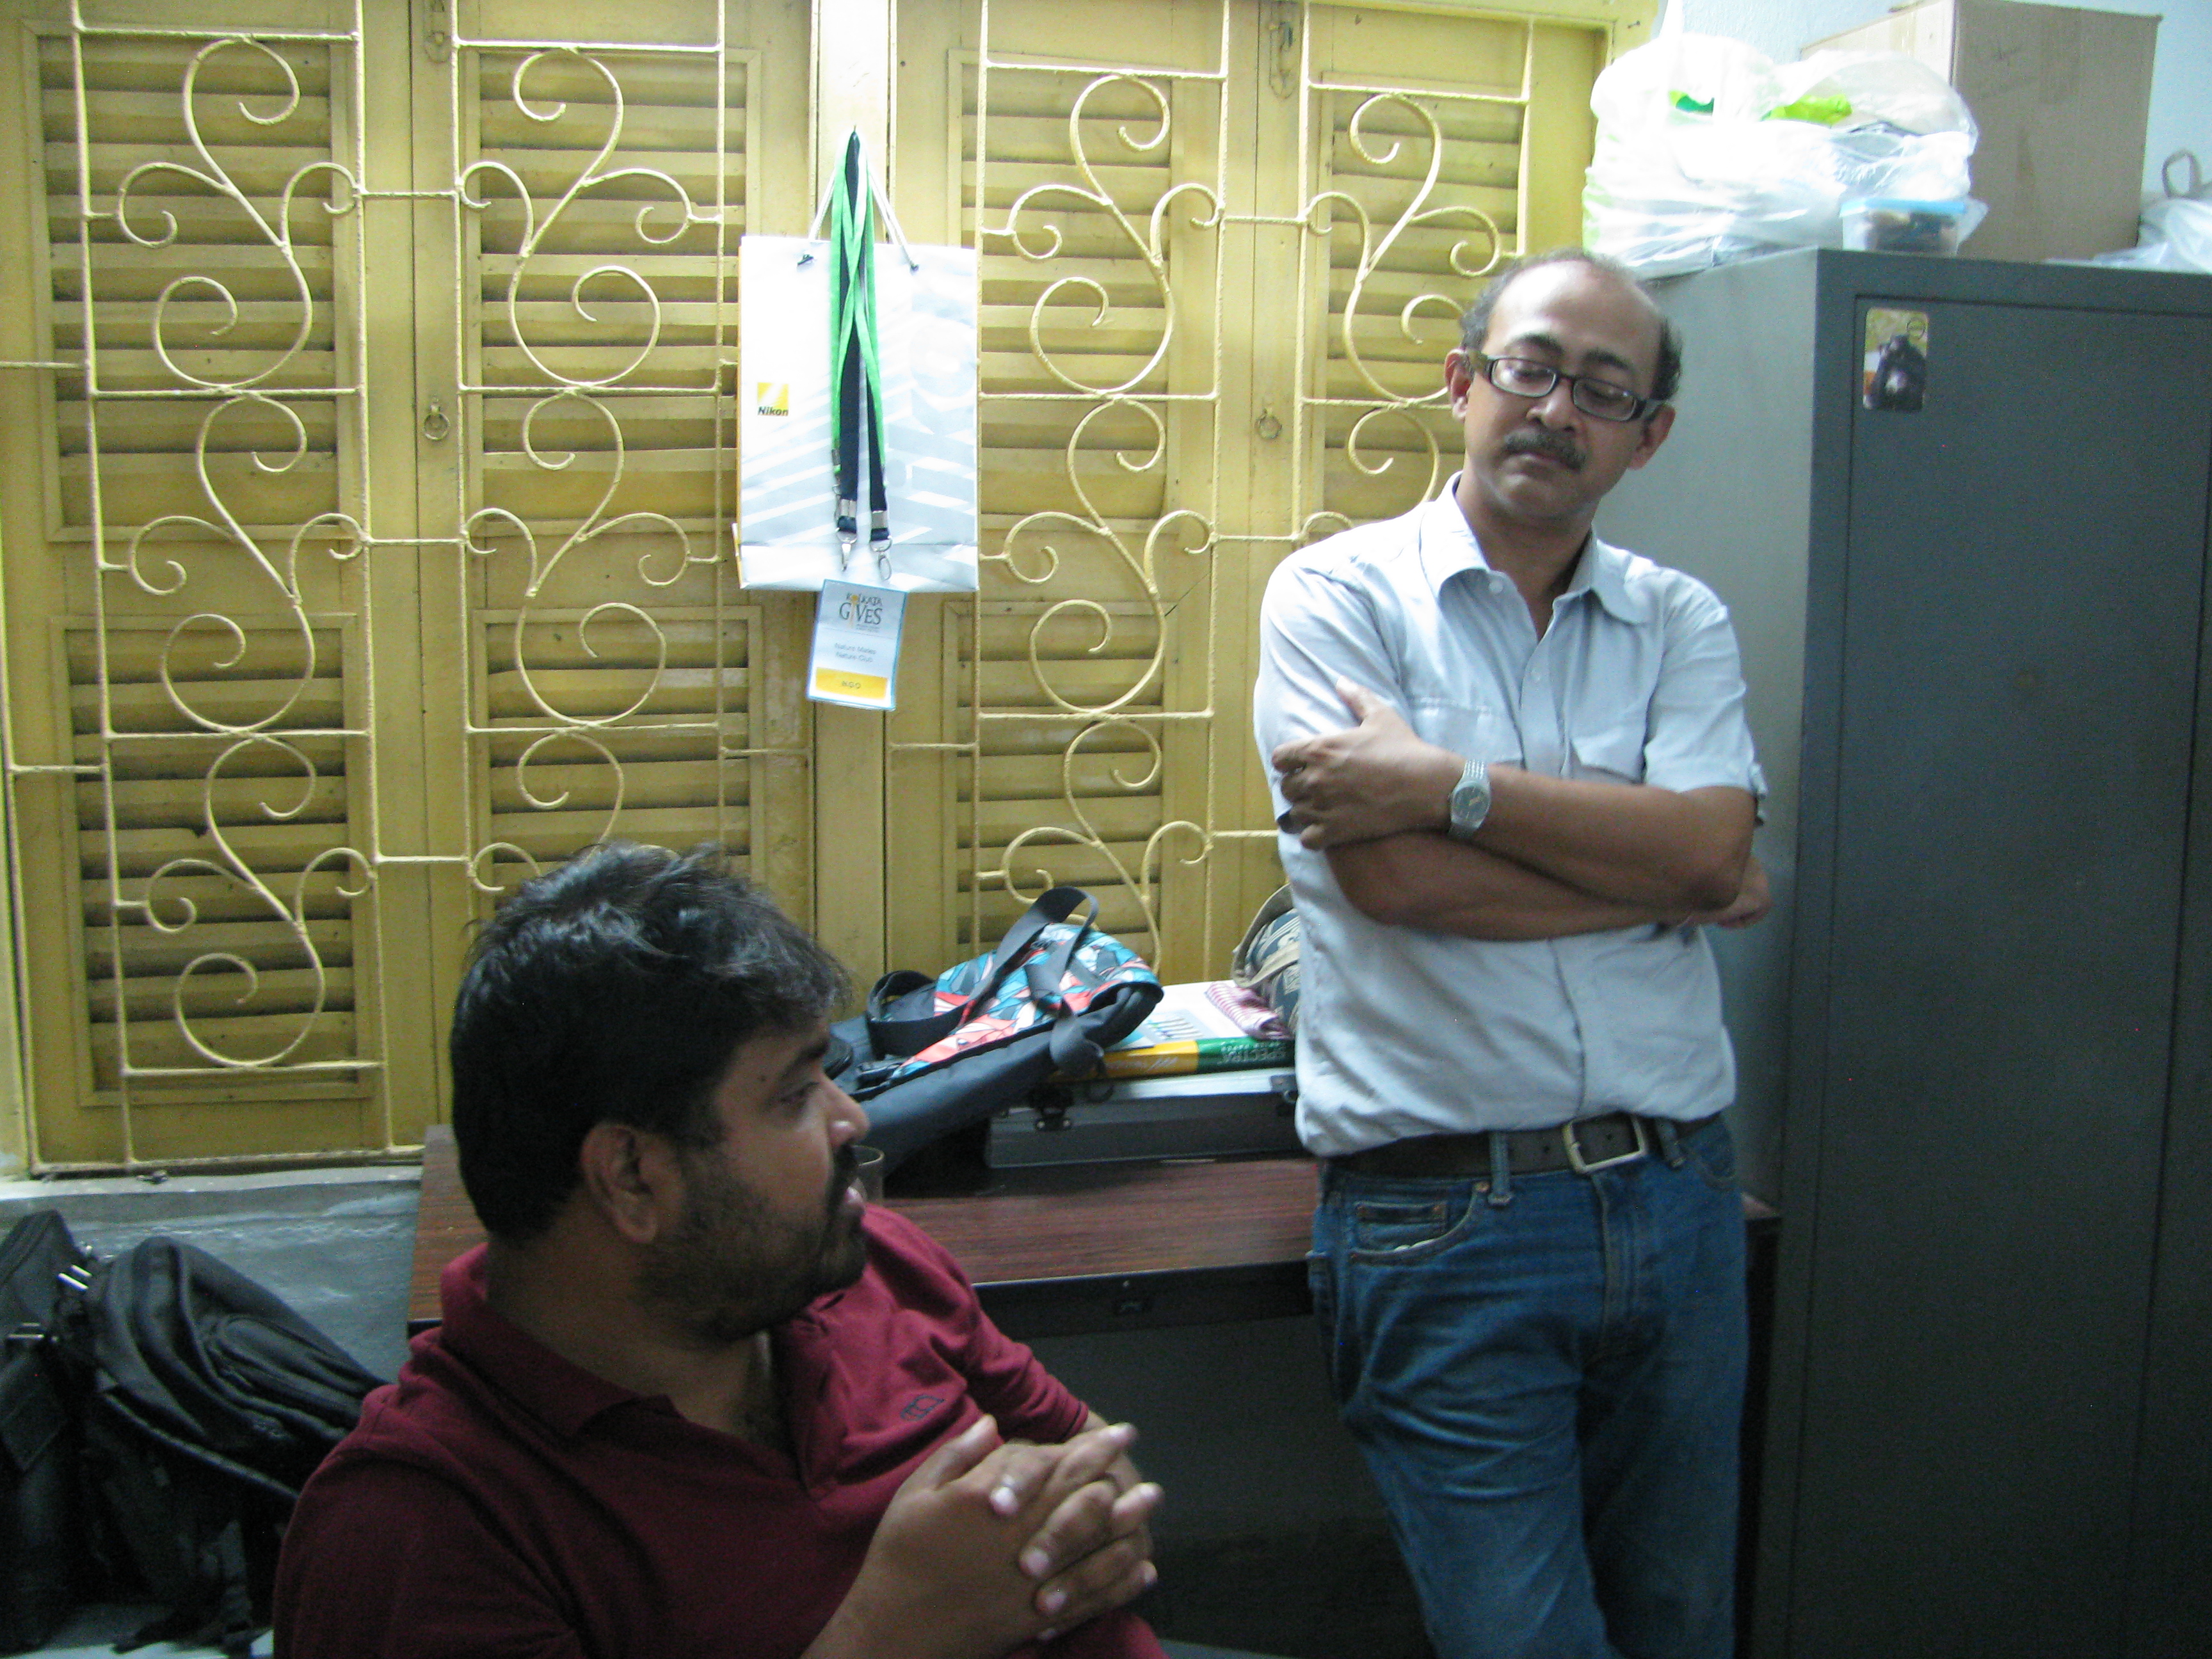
[
  {"x": 1448, "y": 546},
  {"x": 562, "y": 1394}
]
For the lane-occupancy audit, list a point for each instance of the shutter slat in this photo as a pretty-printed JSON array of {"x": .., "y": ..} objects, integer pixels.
[
  {"x": 157, "y": 1042},
  {"x": 220, "y": 900},
  {"x": 164, "y": 805},
  {"x": 149, "y": 951},
  {"x": 589, "y": 786},
  {"x": 216, "y": 993}
]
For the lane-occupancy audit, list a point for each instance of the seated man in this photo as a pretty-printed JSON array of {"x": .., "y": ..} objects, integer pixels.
[{"x": 694, "y": 1397}]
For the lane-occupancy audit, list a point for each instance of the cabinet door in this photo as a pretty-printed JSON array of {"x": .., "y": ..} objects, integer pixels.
[{"x": 2020, "y": 591}]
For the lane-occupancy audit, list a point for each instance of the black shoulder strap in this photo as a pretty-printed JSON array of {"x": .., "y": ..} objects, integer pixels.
[
  {"x": 1074, "y": 1052},
  {"x": 1057, "y": 904},
  {"x": 902, "y": 1014}
]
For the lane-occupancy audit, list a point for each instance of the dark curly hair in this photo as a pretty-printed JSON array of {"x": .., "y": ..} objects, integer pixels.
[{"x": 614, "y": 989}]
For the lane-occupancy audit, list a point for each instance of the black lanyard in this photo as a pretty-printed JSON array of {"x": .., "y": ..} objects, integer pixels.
[{"x": 855, "y": 363}]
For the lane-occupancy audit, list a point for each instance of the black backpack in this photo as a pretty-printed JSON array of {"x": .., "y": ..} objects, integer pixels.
[
  {"x": 932, "y": 1059},
  {"x": 205, "y": 1403},
  {"x": 42, "y": 1562}
]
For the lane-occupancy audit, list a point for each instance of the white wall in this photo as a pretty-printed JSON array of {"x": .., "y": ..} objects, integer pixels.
[{"x": 2181, "y": 113}]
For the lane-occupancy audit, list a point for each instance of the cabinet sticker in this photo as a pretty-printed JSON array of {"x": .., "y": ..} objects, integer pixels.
[{"x": 1896, "y": 368}]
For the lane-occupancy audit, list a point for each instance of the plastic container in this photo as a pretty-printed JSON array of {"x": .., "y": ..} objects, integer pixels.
[{"x": 1896, "y": 224}]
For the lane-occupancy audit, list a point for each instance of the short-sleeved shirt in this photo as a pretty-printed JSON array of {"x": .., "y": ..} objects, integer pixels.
[
  {"x": 1407, "y": 1032},
  {"x": 498, "y": 1499}
]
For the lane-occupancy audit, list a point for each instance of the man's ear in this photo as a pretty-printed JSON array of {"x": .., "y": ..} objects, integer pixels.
[
  {"x": 1458, "y": 375},
  {"x": 1655, "y": 429},
  {"x": 630, "y": 1176}
]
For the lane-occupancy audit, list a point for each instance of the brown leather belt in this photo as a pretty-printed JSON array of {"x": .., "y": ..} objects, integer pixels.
[{"x": 1583, "y": 1146}]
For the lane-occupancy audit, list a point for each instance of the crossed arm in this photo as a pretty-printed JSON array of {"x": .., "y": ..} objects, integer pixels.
[
  {"x": 1555, "y": 856},
  {"x": 989, "y": 1545}
]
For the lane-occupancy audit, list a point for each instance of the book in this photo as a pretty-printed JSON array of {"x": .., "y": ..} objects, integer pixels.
[
  {"x": 1211, "y": 1025},
  {"x": 1213, "y": 1054}
]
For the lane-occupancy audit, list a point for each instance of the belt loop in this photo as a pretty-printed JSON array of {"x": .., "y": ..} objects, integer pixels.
[
  {"x": 1501, "y": 1170},
  {"x": 1670, "y": 1141}
]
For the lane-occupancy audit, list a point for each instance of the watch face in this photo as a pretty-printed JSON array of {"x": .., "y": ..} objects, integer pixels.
[{"x": 1470, "y": 802}]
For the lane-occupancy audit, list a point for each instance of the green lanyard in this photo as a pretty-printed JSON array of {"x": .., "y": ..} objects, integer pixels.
[{"x": 856, "y": 373}]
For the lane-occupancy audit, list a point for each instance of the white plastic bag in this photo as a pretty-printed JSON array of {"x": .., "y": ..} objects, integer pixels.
[
  {"x": 2175, "y": 231},
  {"x": 787, "y": 537},
  {"x": 1707, "y": 150}
]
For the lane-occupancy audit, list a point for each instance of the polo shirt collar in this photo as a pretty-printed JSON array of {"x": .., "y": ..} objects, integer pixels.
[
  {"x": 559, "y": 1393},
  {"x": 1448, "y": 546},
  {"x": 562, "y": 1394}
]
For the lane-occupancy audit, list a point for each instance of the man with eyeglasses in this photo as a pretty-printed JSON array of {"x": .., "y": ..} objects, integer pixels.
[{"x": 1528, "y": 1251}]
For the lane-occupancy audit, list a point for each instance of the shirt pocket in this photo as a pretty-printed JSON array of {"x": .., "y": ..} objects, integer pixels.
[
  {"x": 1611, "y": 751},
  {"x": 1475, "y": 730}
]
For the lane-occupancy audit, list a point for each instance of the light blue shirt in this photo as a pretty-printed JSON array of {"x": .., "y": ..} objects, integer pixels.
[{"x": 1404, "y": 1032}]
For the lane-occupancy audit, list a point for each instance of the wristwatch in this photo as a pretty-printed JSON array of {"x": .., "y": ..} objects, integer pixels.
[{"x": 1470, "y": 801}]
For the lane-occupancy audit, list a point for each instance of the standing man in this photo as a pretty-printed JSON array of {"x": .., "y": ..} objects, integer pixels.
[
  {"x": 1513, "y": 774},
  {"x": 694, "y": 1398}
]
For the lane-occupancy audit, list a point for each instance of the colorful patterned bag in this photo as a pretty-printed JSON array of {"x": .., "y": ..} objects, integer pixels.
[
  {"x": 931, "y": 1056},
  {"x": 1266, "y": 959}
]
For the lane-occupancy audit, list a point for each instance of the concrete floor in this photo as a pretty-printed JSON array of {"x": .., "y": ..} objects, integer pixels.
[
  {"x": 92, "y": 1632},
  {"x": 337, "y": 1244},
  {"x": 90, "y": 1635}
]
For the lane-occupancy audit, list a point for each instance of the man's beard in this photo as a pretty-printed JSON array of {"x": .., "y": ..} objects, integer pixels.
[{"x": 731, "y": 1268}]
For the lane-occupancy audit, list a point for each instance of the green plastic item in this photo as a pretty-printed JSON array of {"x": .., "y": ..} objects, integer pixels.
[
  {"x": 1822, "y": 112},
  {"x": 1682, "y": 100}
]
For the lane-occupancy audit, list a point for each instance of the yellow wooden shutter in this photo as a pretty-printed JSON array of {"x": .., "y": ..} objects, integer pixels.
[
  {"x": 183, "y": 600},
  {"x": 367, "y": 539},
  {"x": 1440, "y": 147},
  {"x": 1222, "y": 251},
  {"x": 1054, "y": 743},
  {"x": 622, "y": 683},
  {"x": 367, "y": 423}
]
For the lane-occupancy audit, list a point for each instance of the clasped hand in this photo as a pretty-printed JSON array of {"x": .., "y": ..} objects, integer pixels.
[{"x": 992, "y": 1544}]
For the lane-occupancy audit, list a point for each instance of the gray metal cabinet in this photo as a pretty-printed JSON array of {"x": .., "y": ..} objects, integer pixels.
[{"x": 1975, "y": 635}]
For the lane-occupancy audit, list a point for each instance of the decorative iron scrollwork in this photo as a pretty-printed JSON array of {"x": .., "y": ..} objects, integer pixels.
[{"x": 1124, "y": 416}]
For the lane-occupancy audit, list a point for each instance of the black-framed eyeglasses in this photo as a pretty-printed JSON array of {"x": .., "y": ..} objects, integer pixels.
[{"x": 1524, "y": 377}]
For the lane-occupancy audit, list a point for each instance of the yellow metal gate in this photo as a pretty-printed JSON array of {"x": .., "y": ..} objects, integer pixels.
[{"x": 368, "y": 435}]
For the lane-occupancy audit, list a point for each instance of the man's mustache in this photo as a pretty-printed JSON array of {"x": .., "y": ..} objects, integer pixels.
[{"x": 1540, "y": 440}]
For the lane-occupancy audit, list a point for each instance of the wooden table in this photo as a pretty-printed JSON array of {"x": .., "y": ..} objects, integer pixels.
[
  {"x": 1052, "y": 1251},
  {"x": 1079, "y": 1248}
]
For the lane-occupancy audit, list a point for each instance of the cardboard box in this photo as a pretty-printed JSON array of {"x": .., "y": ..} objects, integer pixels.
[{"x": 2061, "y": 97}]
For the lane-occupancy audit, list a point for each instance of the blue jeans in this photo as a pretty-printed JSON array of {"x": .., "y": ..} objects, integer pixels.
[{"x": 1547, "y": 1380}]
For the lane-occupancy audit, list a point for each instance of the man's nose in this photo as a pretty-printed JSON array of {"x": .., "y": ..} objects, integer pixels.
[
  {"x": 1557, "y": 406},
  {"x": 851, "y": 1117}
]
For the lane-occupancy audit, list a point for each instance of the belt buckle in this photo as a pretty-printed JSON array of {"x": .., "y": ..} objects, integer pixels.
[{"x": 1582, "y": 1166}]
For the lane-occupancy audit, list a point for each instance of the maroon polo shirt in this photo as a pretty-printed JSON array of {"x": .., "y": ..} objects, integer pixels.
[{"x": 497, "y": 1500}]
